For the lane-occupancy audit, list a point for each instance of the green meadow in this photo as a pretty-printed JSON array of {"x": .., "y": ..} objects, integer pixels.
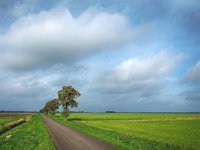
[
  {"x": 126, "y": 131},
  {"x": 139, "y": 130},
  {"x": 130, "y": 116},
  {"x": 4, "y": 119}
]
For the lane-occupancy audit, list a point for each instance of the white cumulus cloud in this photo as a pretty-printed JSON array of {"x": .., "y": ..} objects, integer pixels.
[
  {"x": 154, "y": 66},
  {"x": 56, "y": 36}
]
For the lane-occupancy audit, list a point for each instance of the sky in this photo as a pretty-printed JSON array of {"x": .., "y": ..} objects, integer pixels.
[{"x": 127, "y": 56}]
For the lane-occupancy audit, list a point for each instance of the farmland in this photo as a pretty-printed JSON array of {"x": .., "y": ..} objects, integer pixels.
[
  {"x": 126, "y": 131},
  {"x": 6, "y": 118},
  {"x": 139, "y": 131},
  {"x": 30, "y": 135}
]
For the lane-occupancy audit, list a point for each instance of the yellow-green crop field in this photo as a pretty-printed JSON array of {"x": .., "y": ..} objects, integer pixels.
[{"x": 139, "y": 130}]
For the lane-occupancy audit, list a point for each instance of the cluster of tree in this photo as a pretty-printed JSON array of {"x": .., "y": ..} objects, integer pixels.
[
  {"x": 110, "y": 111},
  {"x": 10, "y": 111},
  {"x": 66, "y": 98},
  {"x": 50, "y": 107},
  {"x": 79, "y": 111}
]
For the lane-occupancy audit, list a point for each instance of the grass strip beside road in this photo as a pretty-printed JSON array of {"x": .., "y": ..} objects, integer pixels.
[{"x": 32, "y": 135}]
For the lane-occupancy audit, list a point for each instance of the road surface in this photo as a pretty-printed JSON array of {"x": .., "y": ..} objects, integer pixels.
[{"x": 66, "y": 138}]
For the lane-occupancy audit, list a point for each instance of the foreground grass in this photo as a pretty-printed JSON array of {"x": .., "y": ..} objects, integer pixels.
[
  {"x": 144, "y": 132},
  {"x": 31, "y": 135}
]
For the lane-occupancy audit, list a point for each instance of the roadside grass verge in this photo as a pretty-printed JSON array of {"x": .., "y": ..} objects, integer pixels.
[
  {"x": 148, "y": 134},
  {"x": 32, "y": 135}
]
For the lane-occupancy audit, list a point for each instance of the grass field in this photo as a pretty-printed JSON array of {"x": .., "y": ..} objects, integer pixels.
[
  {"x": 140, "y": 131},
  {"x": 7, "y": 118},
  {"x": 31, "y": 135},
  {"x": 131, "y": 116}
]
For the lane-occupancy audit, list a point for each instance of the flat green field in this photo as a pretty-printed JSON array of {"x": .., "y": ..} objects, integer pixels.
[
  {"x": 130, "y": 116},
  {"x": 7, "y": 118},
  {"x": 139, "y": 131},
  {"x": 32, "y": 135}
]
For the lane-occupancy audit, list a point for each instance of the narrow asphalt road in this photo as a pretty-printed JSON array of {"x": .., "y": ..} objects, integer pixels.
[{"x": 66, "y": 138}]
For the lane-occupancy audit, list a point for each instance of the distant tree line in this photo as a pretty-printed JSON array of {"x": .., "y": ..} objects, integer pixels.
[
  {"x": 66, "y": 98},
  {"x": 110, "y": 111},
  {"x": 10, "y": 111}
]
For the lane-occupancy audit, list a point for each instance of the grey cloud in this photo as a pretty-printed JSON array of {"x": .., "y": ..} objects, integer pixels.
[
  {"x": 192, "y": 80},
  {"x": 42, "y": 50},
  {"x": 141, "y": 100},
  {"x": 192, "y": 95},
  {"x": 193, "y": 75},
  {"x": 30, "y": 90},
  {"x": 133, "y": 83},
  {"x": 192, "y": 98}
]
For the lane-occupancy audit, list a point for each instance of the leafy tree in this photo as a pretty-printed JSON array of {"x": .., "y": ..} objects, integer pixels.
[
  {"x": 67, "y": 98},
  {"x": 45, "y": 109},
  {"x": 52, "y": 106},
  {"x": 41, "y": 110}
]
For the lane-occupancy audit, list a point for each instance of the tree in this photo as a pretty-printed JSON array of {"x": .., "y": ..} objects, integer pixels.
[
  {"x": 67, "y": 98},
  {"x": 41, "y": 110},
  {"x": 45, "y": 110},
  {"x": 52, "y": 106}
]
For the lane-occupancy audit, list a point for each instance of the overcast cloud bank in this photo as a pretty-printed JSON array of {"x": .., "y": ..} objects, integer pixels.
[{"x": 131, "y": 56}]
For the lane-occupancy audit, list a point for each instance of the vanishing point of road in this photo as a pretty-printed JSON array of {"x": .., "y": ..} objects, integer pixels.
[{"x": 66, "y": 138}]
